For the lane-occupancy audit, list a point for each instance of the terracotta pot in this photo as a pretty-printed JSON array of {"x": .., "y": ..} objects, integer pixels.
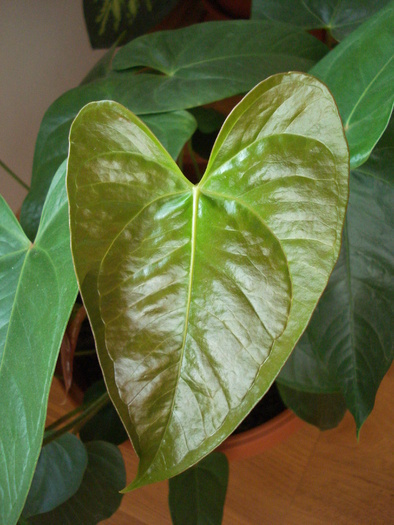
[{"x": 257, "y": 440}]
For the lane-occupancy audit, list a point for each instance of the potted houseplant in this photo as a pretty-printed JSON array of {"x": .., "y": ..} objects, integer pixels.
[{"x": 330, "y": 367}]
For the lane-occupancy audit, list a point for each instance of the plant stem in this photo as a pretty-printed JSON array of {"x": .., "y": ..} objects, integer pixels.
[
  {"x": 87, "y": 414},
  {"x": 84, "y": 352},
  {"x": 193, "y": 159},
  {"x": 14, "y": 175},
  {"x": 64, "y": 418}
]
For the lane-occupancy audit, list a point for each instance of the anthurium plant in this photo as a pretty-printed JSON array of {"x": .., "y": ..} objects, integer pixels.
[{"x": 271, "y": 265}]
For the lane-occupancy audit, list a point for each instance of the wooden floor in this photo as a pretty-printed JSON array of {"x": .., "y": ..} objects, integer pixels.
[{"x": 313, "y": 478}]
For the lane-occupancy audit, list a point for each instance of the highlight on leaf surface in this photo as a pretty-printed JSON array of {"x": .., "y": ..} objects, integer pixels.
[{"x": 198, "y": 293}]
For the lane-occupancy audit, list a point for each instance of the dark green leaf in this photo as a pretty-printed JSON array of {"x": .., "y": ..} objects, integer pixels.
[
  {"x": 197, "y": 495},
  {"x": 37, "y": 291},
  {"x": 189, "y": 288},
  {"x": 98, "y": 496},
  {"x": 211, "y": 61},
  {"x": 340, "y": 17},
  {"x": 105, "y": 425},
  {"x": 107, "y": 20},
  {"x": 360, "y": 74},
  {"x": 325, "y": 411},
  {"x": 60, "y": 469},
  {"x": 348, "y": 345}
]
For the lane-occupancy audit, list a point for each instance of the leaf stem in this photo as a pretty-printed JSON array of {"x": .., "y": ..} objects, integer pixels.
[
  {"x": 64, "y": 418},
  {"x": 14, "y": 175},
  {"x": 87, "y": 414}
]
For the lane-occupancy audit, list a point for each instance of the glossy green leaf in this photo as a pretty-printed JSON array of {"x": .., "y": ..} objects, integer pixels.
[
  {"x": 107, "y": 21},
  {"x": 37, "y": 291},
  {"x": 360, "y": 74},
  {"x": 60, "y": 469},
  {"x": 348, "y": 346},
  {"x": 197, "y": 496},
  {"x": 197, "y": 294},
  {"x": 98, "y": 496},
  {"x": 105, "y": 425},
  {"x": 340, "y": 17},
  {"x": 173, "y": 130},
  {"x": 325, "y": 411}
]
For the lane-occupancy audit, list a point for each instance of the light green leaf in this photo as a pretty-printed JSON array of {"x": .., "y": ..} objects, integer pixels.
[
  {"x": 37, "y": 291},
  {"x": 325, "y": 411},
  {"x": 197, "y": 495},
  {"x": 173, "y": 130},
  {"x": 360, "y": 74},
  {"x": 340, "y": 17},
  {"x": 348, "y": 345},
  {"x": 58, "y": 475},
  {"x": 98, "y": 496},
  {"x": 197, "y": 294}
]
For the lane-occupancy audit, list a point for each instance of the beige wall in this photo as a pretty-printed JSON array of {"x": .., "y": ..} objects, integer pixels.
[{"x": 44, "y": 50}]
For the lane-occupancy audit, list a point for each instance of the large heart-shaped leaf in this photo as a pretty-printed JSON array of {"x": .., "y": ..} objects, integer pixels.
[
  {"x": 98, "y": 496},
  {"x": 197, "y": 294},
  {"x": 58, "y": 475},
  {"x": 201, "y": 64},
  {"x": 37, "y": 291},
  {"x": 197, "y": 496},
  {"x": 348, "y": 345},
  {"x": 340, "y": 17},
  {"x": 360, "y": 74}
]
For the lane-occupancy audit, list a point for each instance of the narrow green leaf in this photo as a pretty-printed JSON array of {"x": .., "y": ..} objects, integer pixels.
[
  {"x": 340, "y": 17},
  {"x": 60, "y": 469},
  {"x": 197, "y": 496},
  {"x": 98, "y": 496},
  {"x": 325, "y": 411},
  {"x": 197, "y": 294},
  {"x": 360, "y": 74},
  {"x": 105, "y": 425},
  {"x": 348, "y": 345},
  {"x": 37, "y": 291}
]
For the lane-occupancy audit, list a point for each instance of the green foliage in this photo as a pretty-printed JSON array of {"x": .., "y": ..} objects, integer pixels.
[
  {"x": 348, "y": 345},
  {"x": 98, "y": 496},
  {"x": 197, "y": 496},
  {"x": 37, "y": 292},
  {"x": 58, "y": 476},
  {"x": 164, "y": 267},
  {"x": 177, "y": 277},
  {"x": 340, "y": 17},
  {"x": 213, "y": 61}
]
